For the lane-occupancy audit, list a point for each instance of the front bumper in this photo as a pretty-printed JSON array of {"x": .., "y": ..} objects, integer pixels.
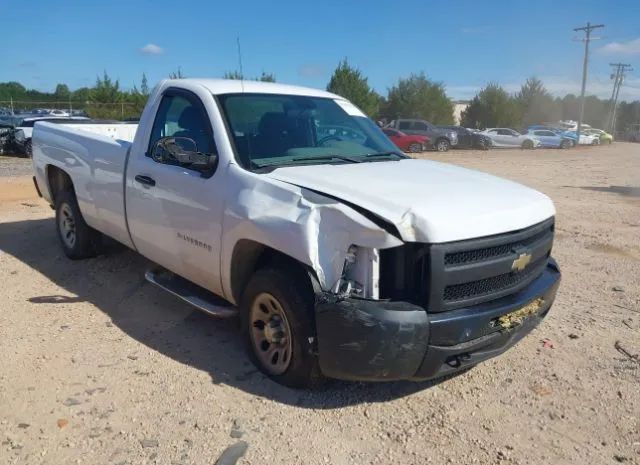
[{"x": 369, "y": 340}]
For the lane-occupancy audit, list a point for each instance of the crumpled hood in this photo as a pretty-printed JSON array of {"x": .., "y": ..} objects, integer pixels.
[{"x": 427, "y": 201}]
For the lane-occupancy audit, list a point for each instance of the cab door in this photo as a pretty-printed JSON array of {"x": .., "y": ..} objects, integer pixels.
[{"x": 175, "y": 212}]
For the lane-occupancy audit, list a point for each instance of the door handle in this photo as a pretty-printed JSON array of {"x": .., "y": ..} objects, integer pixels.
[{"x": 145, "y": 180}]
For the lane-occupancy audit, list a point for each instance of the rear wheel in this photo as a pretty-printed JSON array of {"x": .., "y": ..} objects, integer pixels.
[
  {"x": 527, "y": 145},
  {"x": 78, "y": 239},
  {"x": 415, "y": 147},
  {"x": 442, "y": 145},
  {"x": 277, "y": 311}
]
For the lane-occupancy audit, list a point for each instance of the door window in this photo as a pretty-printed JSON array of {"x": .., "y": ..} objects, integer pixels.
[
  {"x": 404, "y": 125},
  {"x": 419, "y": 126},
  {"x": 179, "y": 116}
]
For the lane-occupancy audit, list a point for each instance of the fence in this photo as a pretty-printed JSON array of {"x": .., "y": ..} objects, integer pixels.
[{"x": 114, "y": 110}]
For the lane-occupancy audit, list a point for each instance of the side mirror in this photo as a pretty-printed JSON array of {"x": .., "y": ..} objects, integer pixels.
[{"x": 184, "y": 151}]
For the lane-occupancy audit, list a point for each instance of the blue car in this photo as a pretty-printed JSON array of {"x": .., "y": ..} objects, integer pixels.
[{"x": 552, "y": 139}]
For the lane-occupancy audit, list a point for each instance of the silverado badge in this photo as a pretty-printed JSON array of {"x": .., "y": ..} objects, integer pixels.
[{"x": 521, "y": 262}]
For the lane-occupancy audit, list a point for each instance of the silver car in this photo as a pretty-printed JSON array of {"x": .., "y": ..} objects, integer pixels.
[{"x": 505, "y": 137}]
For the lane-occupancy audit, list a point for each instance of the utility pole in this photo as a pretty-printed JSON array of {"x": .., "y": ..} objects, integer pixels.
[
  {"x": 622, "y": 68},
  {"x": 587, "y": 29},
  {"x": 613, "y": 94}
]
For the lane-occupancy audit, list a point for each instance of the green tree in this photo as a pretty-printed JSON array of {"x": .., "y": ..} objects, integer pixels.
[
  {"x": 106, "y": 90},
  {"x": 144, "y": 86},
  {"x": 177, "y": 74},
  {"x": 62, "y": 92},
  {"x": 419, "y": 97},
  {"x": 267, "y": 77},
  {"x": 492, "y": 107},
  {"x": 535, "y": 103},
  {"x": 238, "y": 76},
  {"x": 350, "y": 83}
]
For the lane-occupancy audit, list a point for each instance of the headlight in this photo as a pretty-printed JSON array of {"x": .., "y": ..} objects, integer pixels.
[{"x": 361, "y": 274}]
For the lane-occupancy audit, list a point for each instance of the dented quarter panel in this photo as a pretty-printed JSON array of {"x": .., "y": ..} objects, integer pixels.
[{"x": 307, "y": 226}]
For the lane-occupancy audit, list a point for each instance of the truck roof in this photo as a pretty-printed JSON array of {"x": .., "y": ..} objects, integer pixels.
[{"x": 235, "y": 86}]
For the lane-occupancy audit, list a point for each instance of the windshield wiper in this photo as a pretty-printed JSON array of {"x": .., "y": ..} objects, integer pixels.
[
  {"x": 328, "y": 157},
  {"x": 294, "y": 161},
  {"x": 385, "y": 154}
]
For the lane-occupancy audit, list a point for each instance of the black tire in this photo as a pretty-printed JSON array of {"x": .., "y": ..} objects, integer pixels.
[
  {"x": 443, "y": 145},
  {"x": 527, "y": 145},
  {"x": 28, "y": 148},
  {"x": 415, "y": 148},
  {"x": 484, "y": 145},
  {"x": 86, "y": 240},
  {"x": 294, "y": 293},
  {"x": 565, "y": 144}
]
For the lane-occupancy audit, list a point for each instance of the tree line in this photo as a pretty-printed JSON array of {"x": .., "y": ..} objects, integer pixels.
[{"x": 415, "y": 96}]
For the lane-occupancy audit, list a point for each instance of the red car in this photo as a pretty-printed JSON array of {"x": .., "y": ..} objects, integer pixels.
[{"x": 406, "y": 142}]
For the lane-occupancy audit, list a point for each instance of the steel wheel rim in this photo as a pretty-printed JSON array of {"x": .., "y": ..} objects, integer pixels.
[
  {"x": 270, "y": 334},
  {"x": 67, "y": 225}
]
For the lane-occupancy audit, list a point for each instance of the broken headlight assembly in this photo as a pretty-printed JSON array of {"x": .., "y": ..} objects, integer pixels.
[{"x": 360, "y": 273}]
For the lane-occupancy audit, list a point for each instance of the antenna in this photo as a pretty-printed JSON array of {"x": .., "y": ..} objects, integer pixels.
[{"x": 240, "y": 63}]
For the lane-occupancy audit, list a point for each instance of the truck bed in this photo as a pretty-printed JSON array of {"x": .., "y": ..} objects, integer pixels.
[{"x": 95, "y": 157}]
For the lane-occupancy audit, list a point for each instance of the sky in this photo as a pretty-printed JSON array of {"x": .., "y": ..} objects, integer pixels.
[{"x": 463, "y": 44}]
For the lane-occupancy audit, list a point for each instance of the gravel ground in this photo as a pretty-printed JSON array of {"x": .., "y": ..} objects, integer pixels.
[
  {"x": 14, "y": 166},
  {"x": 101, "y": 368}
]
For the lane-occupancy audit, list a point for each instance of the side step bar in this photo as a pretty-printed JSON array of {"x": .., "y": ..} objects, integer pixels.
[{"x": 191, "y": 293}]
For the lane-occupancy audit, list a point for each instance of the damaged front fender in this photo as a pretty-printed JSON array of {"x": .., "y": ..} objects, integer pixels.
[{"x": 305, "y": 225}]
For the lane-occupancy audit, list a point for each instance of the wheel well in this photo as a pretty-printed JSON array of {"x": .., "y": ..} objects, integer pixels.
[
  {"x": 250, "y": 256},
  {"x": 59, "y": 181}
]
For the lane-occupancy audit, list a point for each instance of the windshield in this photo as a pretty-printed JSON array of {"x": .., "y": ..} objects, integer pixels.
[{"x": 278, "y": 130}]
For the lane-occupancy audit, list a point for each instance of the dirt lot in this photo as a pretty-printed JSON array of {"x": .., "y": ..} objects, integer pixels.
[{"x": 100, "y": 368}]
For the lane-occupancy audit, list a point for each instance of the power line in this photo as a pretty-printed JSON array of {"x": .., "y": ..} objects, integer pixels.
[
  {"x": 621, "y": 68},
  {"x": 587, "y": 29}
]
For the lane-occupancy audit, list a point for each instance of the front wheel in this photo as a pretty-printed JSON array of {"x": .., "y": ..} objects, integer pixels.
[
  {"x": 277, "y": 311},
  {"x": 565, "y": 144},
  {"x": 527, "y": 145},
  {"x": 77, "y": 238},
  {"x": 442, "y": 145}
]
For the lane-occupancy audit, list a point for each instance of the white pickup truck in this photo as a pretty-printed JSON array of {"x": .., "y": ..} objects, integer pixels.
[{"x": 288, "y": 207}]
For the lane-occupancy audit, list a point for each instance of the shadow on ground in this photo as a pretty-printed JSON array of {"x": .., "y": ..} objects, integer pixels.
[{"x": 115, "y": 284}]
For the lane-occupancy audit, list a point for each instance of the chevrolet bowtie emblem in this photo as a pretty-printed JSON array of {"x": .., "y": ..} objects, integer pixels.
[{"x": 521, "y": 262}]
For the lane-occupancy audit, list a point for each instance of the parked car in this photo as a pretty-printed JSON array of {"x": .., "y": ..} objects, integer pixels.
[
  {"x": 550, "y": 139},
  {"x": 441, "y": 139},
  {"x": 505, "y": 137},
  {"x": 585, "y": 138},
  {"x": 406, "y": 142},
  {"x": 6, "y": 137},
  {"x": 570, "y": 125},
  {"x": 342, "y": 258},
  {"x": 605, "y": 137},
  {"x": 469, "y": 139},
  {"x": 24, "y": 129},
  {"x": 571, "y": 136}
]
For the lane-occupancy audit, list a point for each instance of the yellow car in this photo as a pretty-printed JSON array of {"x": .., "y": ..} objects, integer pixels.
[{"x": 605, "y": 137}]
